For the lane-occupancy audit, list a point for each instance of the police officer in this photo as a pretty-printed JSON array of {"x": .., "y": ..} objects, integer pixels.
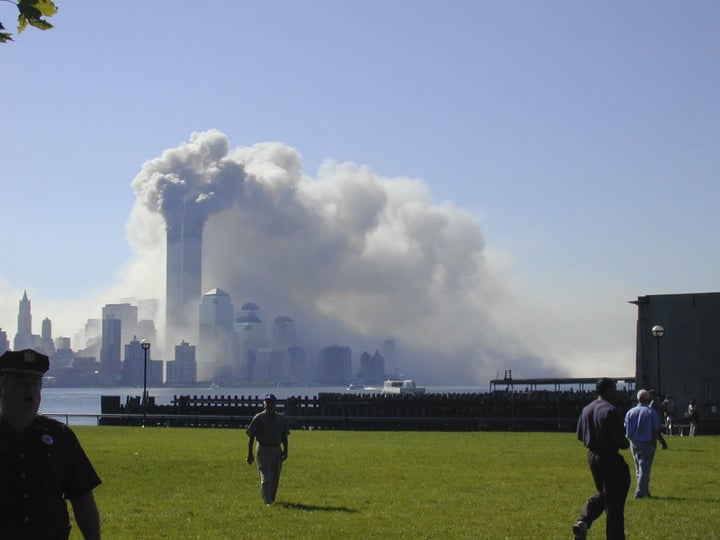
[
  {"x": 271, "y": 431},
  {"x": 41, "y": 461}
]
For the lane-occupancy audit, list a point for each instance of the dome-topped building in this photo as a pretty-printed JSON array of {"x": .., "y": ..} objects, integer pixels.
[
  {"x": 251, "y": 335},
  {"x": 250, "y": 325}
]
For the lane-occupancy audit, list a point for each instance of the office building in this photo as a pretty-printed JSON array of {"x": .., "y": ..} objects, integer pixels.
[
  {"x": 183, "y": 370},
  {"x": 216, "y": 341},
  {"x": 335, "y": 365}
]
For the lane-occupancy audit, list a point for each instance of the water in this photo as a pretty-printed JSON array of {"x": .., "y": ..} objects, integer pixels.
[{"x": 86, "y": 401}]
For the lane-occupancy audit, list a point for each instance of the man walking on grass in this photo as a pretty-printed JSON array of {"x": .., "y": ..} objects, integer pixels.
[
  {"x": 271, "y": 431},
  {"x": 600, "y": 428},
  {"x": 642, "y": 424}
]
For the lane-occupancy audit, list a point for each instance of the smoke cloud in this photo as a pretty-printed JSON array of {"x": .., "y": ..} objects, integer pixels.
[
  {"x": 354, "y": 258},
  {"x": 191, "y": 181}
]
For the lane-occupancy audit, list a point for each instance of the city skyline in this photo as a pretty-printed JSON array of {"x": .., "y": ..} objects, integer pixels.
[
  {"x": 261, "y": 351},
  {"x": 490, "y": 183}
]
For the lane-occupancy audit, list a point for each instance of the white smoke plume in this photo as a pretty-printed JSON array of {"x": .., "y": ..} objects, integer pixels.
[
  {"x": 195, "y": 180},
  {"x": 354, "y": 258}
]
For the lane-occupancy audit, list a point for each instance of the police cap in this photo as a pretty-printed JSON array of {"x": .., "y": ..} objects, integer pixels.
[{"x": 25, "y": 362}]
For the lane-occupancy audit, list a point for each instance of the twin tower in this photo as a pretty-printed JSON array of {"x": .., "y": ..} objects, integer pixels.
[{"x": 230, "y": 348}]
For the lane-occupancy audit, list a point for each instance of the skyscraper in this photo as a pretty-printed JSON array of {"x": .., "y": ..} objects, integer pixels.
[
  {"x": 110, "y": 351},
  {"x": 133, "y": 366},
  {"x": 182, "y": 370},
  {"x": 146, "y": 331},
  {"x": 251, "y": 336},
  {"x": 216, "y": 341},
  {"x": 24, "y": 337},
  {"x": 47, "y": 345},
  {"x": 283, "y": 333},
  {"x": 334, "y": 365},
  {"x": 184, "y": 278},
  {"x": 128, "y": 315},
  {"x": 4, "y": 342}
]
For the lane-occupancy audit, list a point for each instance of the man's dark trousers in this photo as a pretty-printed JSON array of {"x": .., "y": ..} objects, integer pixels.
[{"x": 612, "y": 480}]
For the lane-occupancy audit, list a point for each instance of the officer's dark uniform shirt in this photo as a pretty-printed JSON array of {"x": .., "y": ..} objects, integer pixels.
[{"x": 39, "y": 469}]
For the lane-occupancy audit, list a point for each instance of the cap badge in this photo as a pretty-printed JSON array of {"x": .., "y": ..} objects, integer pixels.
[{"x": 29, "y": 356}]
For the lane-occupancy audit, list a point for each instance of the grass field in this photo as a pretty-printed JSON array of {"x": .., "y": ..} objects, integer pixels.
[{"x": 194, "y": 484}]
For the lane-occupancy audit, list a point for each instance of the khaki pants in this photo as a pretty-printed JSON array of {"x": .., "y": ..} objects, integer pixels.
[{"x": 269, "y": 461}]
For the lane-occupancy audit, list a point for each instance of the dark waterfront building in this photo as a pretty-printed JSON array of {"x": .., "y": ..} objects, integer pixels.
[{"x": 682, "y": 357}]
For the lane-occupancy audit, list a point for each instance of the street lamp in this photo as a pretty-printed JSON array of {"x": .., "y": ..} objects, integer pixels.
[
  {"x": 145, "y": 344},
  {"x": 658, "y": 332}
]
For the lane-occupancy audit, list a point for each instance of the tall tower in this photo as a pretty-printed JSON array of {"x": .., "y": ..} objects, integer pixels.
[
  {"x": 46, "y": 337},
  {"x": 24, "y": 338},
  {"x": 183, "y": 278}
]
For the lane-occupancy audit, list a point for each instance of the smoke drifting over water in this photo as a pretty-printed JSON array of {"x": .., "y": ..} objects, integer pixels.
[{"x": 354, "y": 258}]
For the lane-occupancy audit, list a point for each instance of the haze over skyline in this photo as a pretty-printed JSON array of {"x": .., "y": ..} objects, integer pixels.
[{"x": 496, "y": 177}]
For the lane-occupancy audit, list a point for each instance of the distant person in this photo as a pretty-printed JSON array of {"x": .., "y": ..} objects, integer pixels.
[
  {"x": 270, "y": 429},
  {"x": 655, "y": 405},
  {"x": 642, "y": 427},
  {"x": 669, "y": 410},
  {"x": 41, "y": 461},
  {"x": 600, "y": 428},
  {"x": 693, "y": 416}
]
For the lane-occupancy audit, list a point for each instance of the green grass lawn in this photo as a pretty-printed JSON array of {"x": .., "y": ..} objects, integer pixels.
[{"x": 194, "y": 484}]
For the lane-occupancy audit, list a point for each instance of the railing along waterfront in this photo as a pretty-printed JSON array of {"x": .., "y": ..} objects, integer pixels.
[
  {"x": 535, "y": 411},
  {"x": 494, "y": 411}
]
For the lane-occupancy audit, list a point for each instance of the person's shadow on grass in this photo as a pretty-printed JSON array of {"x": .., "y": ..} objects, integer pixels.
[{"x": 315, "y": 508}]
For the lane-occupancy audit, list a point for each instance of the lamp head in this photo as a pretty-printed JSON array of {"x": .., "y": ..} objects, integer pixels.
[{"x": 658, "y": 331}]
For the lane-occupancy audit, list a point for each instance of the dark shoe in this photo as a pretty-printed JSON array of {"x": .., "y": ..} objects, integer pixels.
[{"x": 580, "y": 530}]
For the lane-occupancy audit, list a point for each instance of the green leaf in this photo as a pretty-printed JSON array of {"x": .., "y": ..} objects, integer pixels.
[
  {"x": 46, "y": 7},
  {"x": 37, "y": 8},
  {"x": 31, "y": 12},
  {"x": 5, "y": 37}
]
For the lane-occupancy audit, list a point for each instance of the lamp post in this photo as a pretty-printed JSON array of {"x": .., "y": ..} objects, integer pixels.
[
  {"x": 658, "y": 332},
  {"x": 145, "y": 344}
]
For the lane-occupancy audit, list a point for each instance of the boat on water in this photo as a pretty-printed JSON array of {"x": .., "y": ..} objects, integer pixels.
[
  {"x": 402, "y": 386},
  {"x": 355, "y": 387}
]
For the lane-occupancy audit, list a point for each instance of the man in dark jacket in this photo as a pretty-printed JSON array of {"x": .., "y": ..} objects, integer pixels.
[{"x": 600, "y": 428}]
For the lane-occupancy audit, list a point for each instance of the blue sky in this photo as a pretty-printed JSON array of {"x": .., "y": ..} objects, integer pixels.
[{"x": 580, "y": 136}]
